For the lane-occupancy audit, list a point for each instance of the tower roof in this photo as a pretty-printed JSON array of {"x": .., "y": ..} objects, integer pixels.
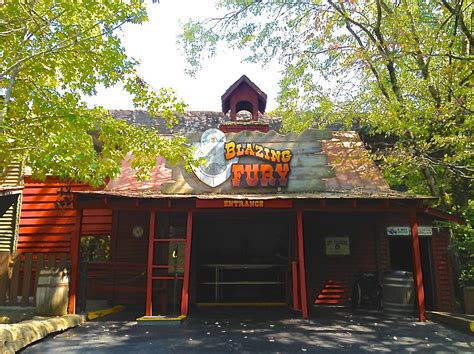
[{"x": 262, "y": 96}]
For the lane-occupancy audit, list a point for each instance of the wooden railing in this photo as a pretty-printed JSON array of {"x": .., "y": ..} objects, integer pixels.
[{"x": 19, "y": 276}]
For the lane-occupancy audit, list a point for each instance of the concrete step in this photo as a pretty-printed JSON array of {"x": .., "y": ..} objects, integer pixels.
[{"x": 461, "y": 322}]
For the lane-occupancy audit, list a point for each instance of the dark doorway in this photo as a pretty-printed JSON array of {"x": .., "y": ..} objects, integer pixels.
[
  {"x": 401, "y": 259},
  {"x": 241, "y": 258}
]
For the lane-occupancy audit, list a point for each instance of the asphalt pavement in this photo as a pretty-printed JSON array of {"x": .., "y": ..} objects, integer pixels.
[{"x": 259, "y": 331}]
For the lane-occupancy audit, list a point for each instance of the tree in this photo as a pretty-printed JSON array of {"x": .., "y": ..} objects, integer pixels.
[
  {"x": 55, "y": 52},
  {"x": 403, "y": 70}
]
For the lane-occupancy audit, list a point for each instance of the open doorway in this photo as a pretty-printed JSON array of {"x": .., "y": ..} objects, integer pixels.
[
  {"x": 401, "y": 259},
  {"x": 241, "y": 259}
]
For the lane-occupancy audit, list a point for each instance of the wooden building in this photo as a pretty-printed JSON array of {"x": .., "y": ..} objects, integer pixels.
[{"x": 269, "y": 218}]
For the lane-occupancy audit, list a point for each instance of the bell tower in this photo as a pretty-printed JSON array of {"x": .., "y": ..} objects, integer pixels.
[{"x": 244, "y": 95}]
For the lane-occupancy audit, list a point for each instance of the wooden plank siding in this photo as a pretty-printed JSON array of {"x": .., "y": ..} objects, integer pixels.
[
  {"x": 48, "y": 217},
  {"x": 9, "y": 208},
  {"x": 10, "y": 201},
  {"x": 322, "y": 269},
  {"x": 443, "y": 272}
]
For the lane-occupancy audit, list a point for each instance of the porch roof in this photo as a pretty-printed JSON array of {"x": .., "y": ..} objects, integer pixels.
[{"x": 352, "y": 194}]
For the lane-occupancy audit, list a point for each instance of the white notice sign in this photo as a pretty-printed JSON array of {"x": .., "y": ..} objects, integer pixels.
[
  {"x": 405, "y": 231},
  {"x": 337, "y": 246}
]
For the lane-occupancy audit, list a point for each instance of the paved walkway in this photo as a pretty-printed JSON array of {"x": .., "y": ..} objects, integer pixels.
[{"x": 265, "y": 330}]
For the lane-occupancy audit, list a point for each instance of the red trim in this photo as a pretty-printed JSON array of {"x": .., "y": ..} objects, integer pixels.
[
  {"x": 149, "y": 273},
  {"x": 418, "y": 274},
  {"x": 301, "y": 263},
  {"x": 294, "y": 278},
  {"x": 170, "y": 240},
  {"x": 187, "y": 264},
  {"x": 75, "y": 244},
  {"x": 166, "y": 278},
  {"x": 267, "y": 203},
  {"x": 235, "y": 128}
]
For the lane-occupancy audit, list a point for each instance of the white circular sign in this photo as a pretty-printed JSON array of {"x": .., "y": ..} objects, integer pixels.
[
  {"x": 216, "y": 169},
  {"x": 137, "y": 231}
]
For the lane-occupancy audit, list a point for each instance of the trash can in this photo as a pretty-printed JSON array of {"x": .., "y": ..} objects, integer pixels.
[
  {"x": 52, "y": 292},
  {"x": 398, "y": 293}
]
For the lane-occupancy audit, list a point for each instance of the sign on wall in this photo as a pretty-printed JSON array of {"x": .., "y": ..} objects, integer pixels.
[
  {"x": 274, "y": 172},
  {"x": 216, "y": 169},
  {"x": 176, "y": 254},
  {"x": 406, "y": 231},
  {"x": 265, "y": 166},
  {"x": 337, "y": 246}
]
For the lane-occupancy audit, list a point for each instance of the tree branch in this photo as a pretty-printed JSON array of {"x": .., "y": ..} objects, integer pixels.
[
  {"x": 456, "y": 11},
  {"x": 61, "y": 45}
]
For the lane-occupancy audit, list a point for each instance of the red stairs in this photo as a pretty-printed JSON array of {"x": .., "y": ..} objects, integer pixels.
[{"x": 331, "y": 294}]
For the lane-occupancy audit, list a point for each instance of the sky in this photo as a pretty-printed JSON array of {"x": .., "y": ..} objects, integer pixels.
[{"x": 162, "y": 64}]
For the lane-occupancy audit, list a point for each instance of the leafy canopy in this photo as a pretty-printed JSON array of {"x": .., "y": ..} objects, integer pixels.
[
  {"x": 402, "y": 70},
  {"x": 53, "y": 52}
]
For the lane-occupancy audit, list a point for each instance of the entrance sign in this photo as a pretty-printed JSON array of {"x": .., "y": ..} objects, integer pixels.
[
  {"x": 216, "y": 169},
  {"x": 244, "y": 203},
  {"x": 405, "y": 231},
  {"x": 337, "y": 246}
]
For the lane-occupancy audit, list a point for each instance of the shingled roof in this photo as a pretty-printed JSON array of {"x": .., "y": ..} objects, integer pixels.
[
  {"x": 244, "y": 80},
  {"x": 192, "y": 121}
]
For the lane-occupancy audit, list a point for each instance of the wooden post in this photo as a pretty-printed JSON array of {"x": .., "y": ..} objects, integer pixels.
[
  {"x": 149, "y": 272},
  {"x": 301, "y": 264},
  {"x": 417, "y": 271},
  {"x": 27, "y": 268},
  {"x": 187, "y": 265},
  {"x": 14, "y": 280},
  {"x": 4, "y": 276},
  {"x": 75, "y": 249},
  {"x": 294, "y": 278}
]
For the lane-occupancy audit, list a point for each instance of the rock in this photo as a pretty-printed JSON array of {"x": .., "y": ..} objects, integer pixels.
[{"x": 15, "y": 336}]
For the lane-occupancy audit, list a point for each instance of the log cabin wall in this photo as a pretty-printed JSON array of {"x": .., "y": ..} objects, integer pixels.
[
  {"x": 443, "y": 272},
  {"x": 322, "y": 269},
  {"x": 48, "y": 217}
]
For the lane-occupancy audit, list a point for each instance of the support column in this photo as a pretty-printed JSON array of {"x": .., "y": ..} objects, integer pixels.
[
  {"x": 74, "y": 256},
  {"x": 417, "y": 271},
  {"x": 149, "y": 271},
  {"x": 301, "y": 264},
  {"x": 294, "y": 286},
  {"x": 187, "y": 265}
]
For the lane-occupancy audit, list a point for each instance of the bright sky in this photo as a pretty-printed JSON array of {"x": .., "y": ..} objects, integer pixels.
[{"x": 162, "y": 65}]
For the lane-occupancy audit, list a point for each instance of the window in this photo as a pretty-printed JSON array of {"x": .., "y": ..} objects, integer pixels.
[{"x": 95, "y": 248}]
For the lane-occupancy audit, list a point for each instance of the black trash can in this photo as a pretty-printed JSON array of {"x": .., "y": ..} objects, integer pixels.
[{"x": 399, "y": 293}]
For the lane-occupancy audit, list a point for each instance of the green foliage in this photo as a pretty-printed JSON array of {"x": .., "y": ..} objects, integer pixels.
[
  {"x": 463, "y": 247},
  {"x": 95, "y": 248},
  {"x": 54, "y": 52},
  {"x": 403, "y": 70}
]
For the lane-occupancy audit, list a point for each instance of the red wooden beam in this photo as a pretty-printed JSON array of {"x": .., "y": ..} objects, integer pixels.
[
  {"x": 417, "y": 271},
  {"x": 294, "y": 278},
  {"x": 301, "y": 264},
  {"x": 75, "y": 248},
  {"x": 149, "y": 272},
  {"x": 187, "y": 265}
]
